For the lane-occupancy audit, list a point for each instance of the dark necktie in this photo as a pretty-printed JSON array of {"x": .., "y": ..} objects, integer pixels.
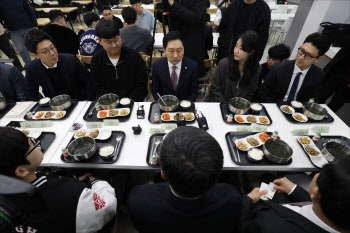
[
  {"x": 174, "y": 78},
  {"x": 294, "y": 87}
]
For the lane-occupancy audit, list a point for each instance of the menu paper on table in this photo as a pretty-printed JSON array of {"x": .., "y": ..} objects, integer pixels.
[
  {"x": 321, "y": 129},
  {"x": 168, "y": 126},
  {"x": 93, "y": 125},
  {"x": 156, "y": 130},
  {"x": 244, "y": 129},
  {"x": 108, "y": 122},
  {"x": 259, "y": 128},
  {"x": 300, "y": 132},
  {"x": 35, "y": 124},
  {"x": 19, "y": 109}
]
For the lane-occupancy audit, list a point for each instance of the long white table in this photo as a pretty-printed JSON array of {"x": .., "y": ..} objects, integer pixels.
[{"x": 158, "y": 40}]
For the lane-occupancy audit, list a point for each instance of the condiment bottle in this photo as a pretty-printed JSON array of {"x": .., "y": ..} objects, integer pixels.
[
  {"x": 29, "y": 114},
  {"x": 229, "y": 118},
  {"x": 316, "y": 137},
  {"x": 65, "y": 153},
  {"x": 97, "y": 106},
  {"x": 312, "y": 100},
  {"x": 156, "y": 118},
  {"x": 154, "y": 160},
  {"x": 275, "y": 135}
]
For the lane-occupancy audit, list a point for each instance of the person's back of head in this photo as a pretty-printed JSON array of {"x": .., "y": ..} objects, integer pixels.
[
  {"x": 191, "y": 160},
  {"x": 33, "y": 38},
  {"x": 334, "y": 187},
  {"x": 107, "y": 29},
  {"x": 320, "y": 41},
  {"x": 90, "y": 18},
  {"x": 280, "y": 52},
  {"x": 129, "y": 15},
  {"x": 55, "y": 16}
]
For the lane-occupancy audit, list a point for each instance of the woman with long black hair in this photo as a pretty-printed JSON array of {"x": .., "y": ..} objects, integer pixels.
[{"x": 238, "y": 74}]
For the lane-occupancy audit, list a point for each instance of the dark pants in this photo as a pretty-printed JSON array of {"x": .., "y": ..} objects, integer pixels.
[{"x": 6, "y": 48}]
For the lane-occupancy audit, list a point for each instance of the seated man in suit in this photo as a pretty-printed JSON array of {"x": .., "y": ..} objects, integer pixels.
[
  {"x": 297, "y": 79},
  {"x": 116, "y": 68},
  {"x": 328, "y": 211},
  {"x": 64, "y": 38},
  {"x": 175, "y": 74},
  {"x": 191, "y": 161},
  {"x": 11, "y": 83},
  {"x": 57, "y": 73},
  {"x": 134, "y": 36}
]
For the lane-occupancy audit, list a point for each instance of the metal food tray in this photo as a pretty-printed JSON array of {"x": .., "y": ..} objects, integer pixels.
[
  {"x": 151, "y": 147},
  {"x": 94, "y": 113},
  {"x": 154, "y": 108},
  {"x": 225, "y": 111},
  {"x": 243, "y": 154},
  {"x": 9, "y": 106},
  {"x": 96, "y": 158}
]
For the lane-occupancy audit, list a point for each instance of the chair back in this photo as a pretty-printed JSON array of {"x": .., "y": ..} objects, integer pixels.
[
  {"x": 208, "y": 63},
  {"x": 84, "y": 59}
]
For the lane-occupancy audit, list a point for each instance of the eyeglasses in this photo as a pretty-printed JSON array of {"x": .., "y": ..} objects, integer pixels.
[
  {"x": 36, "y": 143},
  {"x": 273, "y": 59},
  {"x": 308, "y": 56},
  {"x": 115, "y": 41},
  {"x": 47, "y": 52}
]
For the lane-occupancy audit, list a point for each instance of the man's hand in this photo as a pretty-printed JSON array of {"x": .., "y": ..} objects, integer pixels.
[
  {"x": 84, "y": 177},
  {"x": 92, "y": 178},
  {"x": 80, "y": 28},
  {"x": 255, "y": 194},
  {"x": 283, "y": 185},
  {"x": 171, "y": 2}
]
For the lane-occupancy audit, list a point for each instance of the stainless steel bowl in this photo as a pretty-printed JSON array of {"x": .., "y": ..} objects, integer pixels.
[
  {"x": 277, "y": 151},
  {"x": 314, "y": 111},
  {"x": 108, "y": 101},
  {"x": 169, "y": 107},
  {"x": 238, "y": 105},
  {"x": 3, "y": 103},
  {"x": 60, "y": 102},
  {"x": 80, "y": 143},
  {"x": 333, "y": 151}
]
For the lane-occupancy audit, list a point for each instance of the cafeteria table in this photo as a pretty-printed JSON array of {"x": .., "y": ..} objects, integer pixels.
[
  {"x": 43, "y": 21},
  {"x": 65, "y": 10}
]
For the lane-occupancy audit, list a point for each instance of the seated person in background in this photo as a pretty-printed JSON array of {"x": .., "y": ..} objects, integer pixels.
[
  {"x": 208, "y": 40},
  {"x": 72, "y": 205},
  {"x": 107, "y": 14},
  {"x": 116, "y": 68},
  {"x": 238, "y": 74},
  {"x": 134, "y": 36},
  {"x": 191, "y": 161},
  {"x": 88, "y": 40},
  {"x": 297, "y": 79},
  {"x": 11, "y": 83},
  {"x": 145, "y": 18},
  {"x": 56, "y": 73},
  {"x": 329, "y": 210},
  {"x": 207, "y": 15},
  {"x": 175, "y": 74},
  {"x": 65, "y": 39}
]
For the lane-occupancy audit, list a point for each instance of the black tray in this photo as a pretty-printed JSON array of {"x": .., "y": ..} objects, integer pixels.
[
  {"x": 94, "y": 114},
  {"x": 155, "y": 109},
  {"x": 327, "y": 119},
  {"x": 243, "y": 154},
  {"x": 151, "y": 147},
  {"x": 226, "y": 111},
  {"x": 48, "y": 108},
  {"x": 9, "y": 106},
  {"x": 99, "y": 143}
]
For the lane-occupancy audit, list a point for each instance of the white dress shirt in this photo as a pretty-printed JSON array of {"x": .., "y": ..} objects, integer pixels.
[
  {"x": 54, "y": 65},
  {"x": 177, "y": 70},
  {"x": 301, "y": 80}
]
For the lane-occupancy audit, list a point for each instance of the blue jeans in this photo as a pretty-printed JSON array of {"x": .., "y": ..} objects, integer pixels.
[{"x": 17, "y": 37}]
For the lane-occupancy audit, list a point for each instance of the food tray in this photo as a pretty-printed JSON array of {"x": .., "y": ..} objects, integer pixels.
[
  {"x": 151, "y": 147},
  {"x": 48, "y": 108},
  {"x": 327, "y": 119},
  {"x": 94, "y": 116},
  {"x": 225, "y": 111},
  {"x": 9, "y": 106},
  {"x": 243, "y": 154},
  {"x": 324, "y": 139},
  {"x": 53, "y": 117},
  {"x": 96, "y": 159},
  {"x": 154, "y": 108}
]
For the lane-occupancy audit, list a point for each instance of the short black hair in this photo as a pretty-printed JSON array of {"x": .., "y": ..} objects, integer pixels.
[
  {"x": 34, "y": 37},
  {"x": 172, "y": 35},
  {"x": 105, "y": 7},
  {"x": 191, "y": 160},
  {"x": 334, "y": 185},
  {"x": 321, "y": 42},
  {"x": 280, "y": 51},
  {"x": 14, "y": 146},
  {"x": 90, "y": 17},
  {"x": 134, "y": 1},
  {"x": 208, "y": 4},
  {"x": 56, "y": 15},
  {"x": 107, "y": 29},
  {"x": 129, "y": 15}
]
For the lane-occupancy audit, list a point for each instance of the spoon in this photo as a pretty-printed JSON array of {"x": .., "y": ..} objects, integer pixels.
[{"x": 162, "y": 99}]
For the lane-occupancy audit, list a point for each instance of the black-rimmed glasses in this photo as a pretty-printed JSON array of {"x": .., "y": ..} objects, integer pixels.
[
  {"x": 47, "y": 51},
  {"x": 36, "y": 144},
  {"x": 308, "y": 56}
]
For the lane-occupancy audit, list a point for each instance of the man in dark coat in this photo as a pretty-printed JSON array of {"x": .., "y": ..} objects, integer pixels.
[
  {"x": 240, "y": 16},
  {"x": 11, "y": 83}
]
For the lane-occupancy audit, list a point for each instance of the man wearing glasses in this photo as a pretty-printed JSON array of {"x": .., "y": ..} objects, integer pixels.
[
  {"x": 57, "y": 73},
  {"x": 298, "y": 79},
  {"x": 116, "y": 68}
]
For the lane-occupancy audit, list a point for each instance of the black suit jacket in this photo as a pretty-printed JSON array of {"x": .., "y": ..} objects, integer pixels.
[
  {"x": 187, "y": 88},
  {"x": 277, "y": 82},
  {"x": 270, "y": 217},
  {"x": 74, "y": 73}
]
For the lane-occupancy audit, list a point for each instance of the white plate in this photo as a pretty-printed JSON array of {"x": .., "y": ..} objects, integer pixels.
[
  {"x": 244, "y": 140},
  {"x": 257, "y": 135},
  {"x": 319, "y": 160},
  {"x": 244, "y": 117},
  {"x": 256, "y": 138},
  {"x": 292, "y": 109},
  {"x": 311, "y": 142},
  {"x": 33, "y": 133},
  {"x": 302, "y": 115},
  {"x": 117, "y": 109},
  {"x": 104, "y": 134},
  {"x": 173, "y": 114},
  {"x": 53, "y": 117}
]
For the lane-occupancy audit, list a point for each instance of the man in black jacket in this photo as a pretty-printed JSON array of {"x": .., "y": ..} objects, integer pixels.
[
  {"x": 107, "y": 14},
  {"x": 11, "y": 83},
  {"x": 116, "y": 68},
  {"x": 240, "y": 16}
]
